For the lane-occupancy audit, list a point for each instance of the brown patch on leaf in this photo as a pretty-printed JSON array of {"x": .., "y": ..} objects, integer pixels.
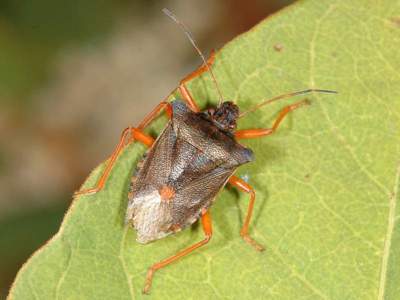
[
  {"x": 395, "y": 21},
  {"x": 278, "y": 47}
]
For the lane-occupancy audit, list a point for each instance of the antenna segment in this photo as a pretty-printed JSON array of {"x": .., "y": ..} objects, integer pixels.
[
  {"x": 284, "y": 96},
  {"x": 192, "y": 41}
]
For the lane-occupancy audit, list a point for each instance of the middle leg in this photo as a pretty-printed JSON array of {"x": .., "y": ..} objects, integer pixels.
[
  {"x": 128, "y": 136},
  {"x": 244, "y": 232},
  {"x": 135, "y": 135}
]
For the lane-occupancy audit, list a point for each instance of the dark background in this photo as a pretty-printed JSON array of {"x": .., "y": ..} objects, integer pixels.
[{"x": 73, "y": 74}]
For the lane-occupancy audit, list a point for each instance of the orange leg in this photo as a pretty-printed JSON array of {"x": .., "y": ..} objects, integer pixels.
[
  {"x": 182, "y": 87},
  {"x": 207, "y": 227},
  {"x": 154, "y": 113},
  {"x": 134, "y": 134},
  {"x": 244, "y": 232},
  {"x": 255, "y": 133}
]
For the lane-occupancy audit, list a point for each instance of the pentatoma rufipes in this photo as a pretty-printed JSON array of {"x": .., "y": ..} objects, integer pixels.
[{"x": 192, "y": 159}]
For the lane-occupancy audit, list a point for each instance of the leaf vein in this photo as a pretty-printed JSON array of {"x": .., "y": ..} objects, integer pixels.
[
  {"x": 300, "y": 276},
  {"x": 389, "y": 234},
  {"x": 63, "y": 274},
  {"x": 124, "y": 267},
  {"x": 334, "y": 130}
]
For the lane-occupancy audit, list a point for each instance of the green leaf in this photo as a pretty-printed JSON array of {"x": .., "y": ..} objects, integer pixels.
[{"x": 327, "y": 182}]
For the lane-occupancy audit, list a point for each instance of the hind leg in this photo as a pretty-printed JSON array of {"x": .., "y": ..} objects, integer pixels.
[{"x": 207, "y": 227}]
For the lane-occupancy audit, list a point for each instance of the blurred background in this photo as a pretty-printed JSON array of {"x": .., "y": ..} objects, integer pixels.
[{"x": 73, "y": 74}]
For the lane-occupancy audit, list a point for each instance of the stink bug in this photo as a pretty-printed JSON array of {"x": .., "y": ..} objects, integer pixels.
[{"x": 193, "y": 158}]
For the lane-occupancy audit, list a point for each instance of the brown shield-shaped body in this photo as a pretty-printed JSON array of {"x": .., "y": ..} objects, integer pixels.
[{"x": 181, "y": 174}]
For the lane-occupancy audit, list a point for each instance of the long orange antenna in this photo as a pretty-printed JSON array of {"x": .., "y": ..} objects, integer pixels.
[
  {"x": 192, "y": 41},
  {"x": 284, "y": 96}
]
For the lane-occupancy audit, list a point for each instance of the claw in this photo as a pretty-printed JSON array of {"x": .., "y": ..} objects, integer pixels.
[
  {"x": 86, "y": 192},
  {"x": 252, "y": 243},
  {"x": 149, "y": 279}
]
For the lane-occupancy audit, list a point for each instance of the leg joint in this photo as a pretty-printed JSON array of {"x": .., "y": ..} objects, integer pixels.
[
  {"x": 207, "y": 238},
  {"x": 252, "y": 193}
]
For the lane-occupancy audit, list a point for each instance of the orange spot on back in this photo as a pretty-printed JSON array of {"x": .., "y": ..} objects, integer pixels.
[{"x": 166, "y": 193}]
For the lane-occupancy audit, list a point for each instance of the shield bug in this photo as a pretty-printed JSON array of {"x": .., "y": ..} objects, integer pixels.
[{"x": 193, "y": 158}]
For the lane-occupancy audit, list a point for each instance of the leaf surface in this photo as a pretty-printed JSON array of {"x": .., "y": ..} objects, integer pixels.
[{"x": 327, "y": 182}]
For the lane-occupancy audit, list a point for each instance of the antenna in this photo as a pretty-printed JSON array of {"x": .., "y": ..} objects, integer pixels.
[
  {"x": 284, "y": 96},
  {"x": 192, "y": 41}
]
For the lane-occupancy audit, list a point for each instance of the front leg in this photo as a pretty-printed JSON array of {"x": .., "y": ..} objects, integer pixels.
[
  {"x": 255, "y": 133},
  {"x": 182, "y": 86}
]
